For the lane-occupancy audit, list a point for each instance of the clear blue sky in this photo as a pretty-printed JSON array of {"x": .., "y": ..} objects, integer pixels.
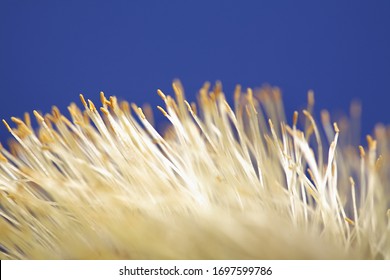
[{"x": 50, "y": 51}]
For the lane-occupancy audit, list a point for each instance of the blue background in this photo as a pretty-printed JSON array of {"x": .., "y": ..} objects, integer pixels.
[{"x": 50, "y": 51}]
